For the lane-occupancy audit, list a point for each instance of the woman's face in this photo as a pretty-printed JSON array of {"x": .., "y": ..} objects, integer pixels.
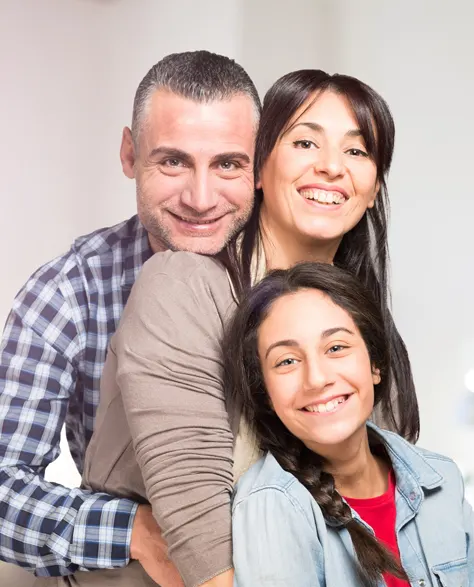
[
  {"x": 319, "y": 180},
  {"x": 317, "y": 370}
]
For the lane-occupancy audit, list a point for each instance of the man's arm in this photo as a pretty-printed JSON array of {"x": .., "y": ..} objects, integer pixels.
[
  {"x": 170, "y": 376},
  {"x": 47, "y": 528}
]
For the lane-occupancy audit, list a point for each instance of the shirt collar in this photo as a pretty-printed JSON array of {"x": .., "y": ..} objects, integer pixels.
[{"x": 137, "y": 252}]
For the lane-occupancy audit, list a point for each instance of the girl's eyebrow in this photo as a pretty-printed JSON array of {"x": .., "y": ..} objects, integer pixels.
[
  {"x": 287, "y": 342},
  {"x": 294, "y": 343},
  {"x": 330, "y": 331}
]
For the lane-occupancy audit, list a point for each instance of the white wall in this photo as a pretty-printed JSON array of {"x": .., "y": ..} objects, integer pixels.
[{"x": 69, "y": 71}]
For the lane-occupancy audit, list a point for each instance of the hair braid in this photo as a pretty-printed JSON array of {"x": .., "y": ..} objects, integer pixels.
[{"x": 372, "y": 556}]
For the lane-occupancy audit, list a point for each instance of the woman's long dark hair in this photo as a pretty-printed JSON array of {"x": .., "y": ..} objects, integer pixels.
[
  {"x": 245, "y": 391},
  {"x": 363, "y": 250}
]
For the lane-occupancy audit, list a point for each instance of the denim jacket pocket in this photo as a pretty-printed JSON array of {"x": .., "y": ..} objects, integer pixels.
[{"x": 453, "y": 574}]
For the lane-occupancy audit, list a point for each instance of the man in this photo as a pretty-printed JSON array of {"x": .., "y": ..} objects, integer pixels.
[{"x": 190, "y": 150}]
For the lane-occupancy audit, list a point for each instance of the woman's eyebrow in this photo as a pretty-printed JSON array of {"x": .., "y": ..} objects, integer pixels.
[{"x": 354, "y": 132}]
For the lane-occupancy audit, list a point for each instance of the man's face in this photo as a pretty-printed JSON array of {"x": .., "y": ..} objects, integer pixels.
[{"x": 194, "y": 171}]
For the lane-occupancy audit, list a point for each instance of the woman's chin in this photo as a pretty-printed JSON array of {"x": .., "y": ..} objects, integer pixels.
[{"x": 321, "y": 235}]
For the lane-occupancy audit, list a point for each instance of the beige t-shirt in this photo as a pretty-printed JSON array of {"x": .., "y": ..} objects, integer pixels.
[{"x": 162, "y": 432}]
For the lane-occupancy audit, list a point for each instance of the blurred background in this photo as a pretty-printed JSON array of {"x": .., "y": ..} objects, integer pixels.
[{"x": 69, "y": 70}]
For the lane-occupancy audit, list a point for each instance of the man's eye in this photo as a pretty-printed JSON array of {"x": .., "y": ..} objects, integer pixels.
[
  {"x": 172, "y": 162},
  {"x": 228, "y": 165}
]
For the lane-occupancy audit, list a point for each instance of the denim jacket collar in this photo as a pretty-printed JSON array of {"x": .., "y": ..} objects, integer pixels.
[{"x": 413, "y": 471}]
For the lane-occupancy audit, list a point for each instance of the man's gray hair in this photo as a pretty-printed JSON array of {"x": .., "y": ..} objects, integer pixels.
[{"x": 197, "y": 75}]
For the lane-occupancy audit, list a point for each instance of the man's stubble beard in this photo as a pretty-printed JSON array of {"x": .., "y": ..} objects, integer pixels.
[{"x": 163, "y": 239}]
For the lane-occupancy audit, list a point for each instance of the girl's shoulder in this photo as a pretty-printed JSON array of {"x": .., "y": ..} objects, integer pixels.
[
  {"x": 267, "y": 477},
  {"x": 430, "y": 469},
  {"x": 266, "y": 473}
]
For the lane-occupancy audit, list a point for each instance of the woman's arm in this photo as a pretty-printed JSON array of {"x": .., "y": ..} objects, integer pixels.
[
  {"x": 169, "y": 373},
  {"x": 223, "y": 580},
  {"x": 273, "y": 541}
]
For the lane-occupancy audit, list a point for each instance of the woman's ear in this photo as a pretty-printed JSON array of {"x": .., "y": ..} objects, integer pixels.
[
  {"x": 371, "y": 202},
  {"x": 376, "y": 376}
]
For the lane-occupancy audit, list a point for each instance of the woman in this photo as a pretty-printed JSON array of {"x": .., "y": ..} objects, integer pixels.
[
  {"x": 162, "y": 430},
  {"x": 309, "y": 356}
]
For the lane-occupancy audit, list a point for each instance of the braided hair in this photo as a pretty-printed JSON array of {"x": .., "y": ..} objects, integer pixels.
[{"x": 246, "y": 392}]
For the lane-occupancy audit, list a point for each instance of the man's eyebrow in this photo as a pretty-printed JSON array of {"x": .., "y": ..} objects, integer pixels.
[
  {"x": 231, "y": 155},
  {"x": 355, "y": 132},
  {"x": 172, "y": 153}
]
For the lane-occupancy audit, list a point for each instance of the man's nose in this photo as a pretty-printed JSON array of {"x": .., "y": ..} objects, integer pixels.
[{"x": 200, "y": 194}]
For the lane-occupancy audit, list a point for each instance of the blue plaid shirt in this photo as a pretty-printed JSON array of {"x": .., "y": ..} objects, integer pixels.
[{"x": 51, "y": 360}]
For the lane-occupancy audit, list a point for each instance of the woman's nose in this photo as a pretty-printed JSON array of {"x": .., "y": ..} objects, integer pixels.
[{"x": 329, "y": 162}]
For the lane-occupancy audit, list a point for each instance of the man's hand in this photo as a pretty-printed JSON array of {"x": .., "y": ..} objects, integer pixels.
[{"x": 150, "y": 549}]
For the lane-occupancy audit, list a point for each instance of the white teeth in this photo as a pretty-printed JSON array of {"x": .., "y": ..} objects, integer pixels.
[
  {"x": 323, "y": 196},
  {"x": 327, "y": 407}
]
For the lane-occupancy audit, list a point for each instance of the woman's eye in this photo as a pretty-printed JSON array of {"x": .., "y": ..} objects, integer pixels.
[
  {"x": 304, "y": 144},
  {"x": 286, "y": 362},
  {"x": 357, "y": 153}
]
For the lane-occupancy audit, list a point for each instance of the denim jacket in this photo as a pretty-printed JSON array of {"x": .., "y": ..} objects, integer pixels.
[{"x": 281, "y": 538}]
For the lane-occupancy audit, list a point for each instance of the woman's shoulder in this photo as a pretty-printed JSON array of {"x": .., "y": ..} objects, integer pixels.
[
  {"x": 176, "y": 274},
  {"x": 179, "y": 286},
  {"x": 183, "y": 265}
]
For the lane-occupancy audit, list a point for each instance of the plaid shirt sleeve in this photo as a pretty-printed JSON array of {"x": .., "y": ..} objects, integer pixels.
[{"x": 45, "y": 527}]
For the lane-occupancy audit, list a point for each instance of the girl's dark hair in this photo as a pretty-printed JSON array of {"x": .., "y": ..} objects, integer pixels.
[
  {"x": 246, "y": 392},
  {"x": 364, "y": 249}
]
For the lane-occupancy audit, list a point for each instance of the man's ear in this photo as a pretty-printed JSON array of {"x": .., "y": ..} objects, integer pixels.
[{"x": 127, "y": 153}]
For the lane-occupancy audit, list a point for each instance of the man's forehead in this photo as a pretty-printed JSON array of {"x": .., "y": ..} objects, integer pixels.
[
  {"x": 200, "y": 127},
  {"x": 170, "y": 111}
]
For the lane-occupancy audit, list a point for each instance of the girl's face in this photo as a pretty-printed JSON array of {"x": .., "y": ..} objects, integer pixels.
[
  {"x": 319, "y": 180},
  {"x": 317, "y": 370}
]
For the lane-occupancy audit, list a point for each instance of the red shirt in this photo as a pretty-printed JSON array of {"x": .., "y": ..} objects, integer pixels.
[{"x": 380, "y": 513}]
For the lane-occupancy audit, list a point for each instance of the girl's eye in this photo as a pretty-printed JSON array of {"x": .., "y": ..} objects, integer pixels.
[
  {"x": 357, "y": 153},
  {"x": 286, "y": 362},
  {"x": 304, "y": 144},
  {"x": 336, "y": 348}
]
